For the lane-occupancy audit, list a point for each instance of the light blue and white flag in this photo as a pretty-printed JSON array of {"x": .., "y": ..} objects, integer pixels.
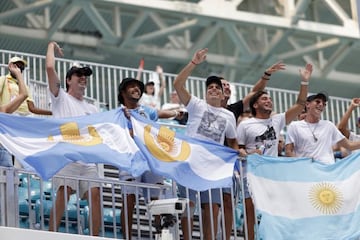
[
  {"x": 193, "y": 163},
  {"x": 301, "y": 199},
  {"x": 45, "y": 145}
]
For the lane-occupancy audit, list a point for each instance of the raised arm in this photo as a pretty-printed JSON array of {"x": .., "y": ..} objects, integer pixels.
[
  {"x": 179, "y": 83},
  {"x": 160, "y": 72},
  {"x": 261, "y": 83},
  {"x": 297, "y": 108},
  {"x": 23, "y": 93},
  {"x": 342, "y": 125},
  {"x": 54, "y": 81},
  {"x": 140, "y": 69}
]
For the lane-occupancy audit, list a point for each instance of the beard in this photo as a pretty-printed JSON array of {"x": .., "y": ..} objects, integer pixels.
[
  {"x": 266, "y": 111},
  {"x": 12, "y": 75}
]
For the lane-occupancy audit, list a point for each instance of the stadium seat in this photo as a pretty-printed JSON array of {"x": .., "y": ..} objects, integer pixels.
[
  {"x": 109, "y": 216},
  {"x": 72, "y": 214},
  {"x": 24, "y": 208}
]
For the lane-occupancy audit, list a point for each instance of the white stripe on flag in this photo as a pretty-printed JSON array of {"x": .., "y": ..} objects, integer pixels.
[{"x": 305, "y": 199}]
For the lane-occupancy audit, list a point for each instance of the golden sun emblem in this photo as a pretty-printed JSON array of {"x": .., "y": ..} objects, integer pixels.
[
  {"x": 326, "y": 198},
  {"x": 164, "y": 146},
  {"x": 70, "y": 133}
]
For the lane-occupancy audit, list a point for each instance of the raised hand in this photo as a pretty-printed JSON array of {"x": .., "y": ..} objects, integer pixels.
[
  {"x": 355, "y": 102},
  {"x": 199, "y": 56},
  {"x": 305, "y": 73},
  {"x": 14, "y": 70},
  {"x": 159, "y": 69},
  {"x": 276, "y": 67},
  {"x": 58, "y": 50}
]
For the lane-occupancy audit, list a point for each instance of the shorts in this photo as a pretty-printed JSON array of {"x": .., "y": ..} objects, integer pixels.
[
  {"x": 73, "y": 170},
  {"x": 216, "y": 196},
  {"x": 226, "y": 190},
  {"x": 146, "y": 177},
  {"x": 204, "y": 195},
  {"x": 190, "y": 194}
]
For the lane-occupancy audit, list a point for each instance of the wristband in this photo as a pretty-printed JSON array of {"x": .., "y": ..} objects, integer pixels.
[
  {"x": 267, "y": 74},
  {"x": 264, "y": 78},
  {"x": 193, "y": 62},
  {"x": 304, "y": 83}
]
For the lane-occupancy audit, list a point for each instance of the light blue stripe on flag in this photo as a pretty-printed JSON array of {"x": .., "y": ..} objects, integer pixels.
[
  {"x": 302, "y": 199},
  {"x": 46, "y": 145},
  {"x": 193, "y": 163}
]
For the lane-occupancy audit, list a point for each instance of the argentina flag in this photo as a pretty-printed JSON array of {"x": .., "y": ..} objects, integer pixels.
[
  {"x": 302, "y": 199},
  {"x": 193, "y": 163},
  {"x": 46, "y": 145}
]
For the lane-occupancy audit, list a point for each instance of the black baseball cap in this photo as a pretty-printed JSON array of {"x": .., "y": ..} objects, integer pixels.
[
  {"x": 123, "y": 85},
  {"x": 317, "y": 96},
  {"x": 214, "y": 79},
  {"x": 76, "y": 68}
]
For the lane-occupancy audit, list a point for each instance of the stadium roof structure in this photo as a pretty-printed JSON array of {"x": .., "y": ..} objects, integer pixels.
[{"x": 243, "y": 36}]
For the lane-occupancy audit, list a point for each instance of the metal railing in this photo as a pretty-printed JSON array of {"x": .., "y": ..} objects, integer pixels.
[
  {"x": 27, "y": 200},
  {"x": 102, "y": 88},
  {"x": 103, "y": 85}
]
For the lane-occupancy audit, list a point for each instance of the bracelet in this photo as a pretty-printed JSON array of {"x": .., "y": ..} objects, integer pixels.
[
  {"x": 264, "y": 78},
  {"x": 267, "y": 74},
  {"x": 304, "y": 83},
  {"x": 193, "y": 62}
]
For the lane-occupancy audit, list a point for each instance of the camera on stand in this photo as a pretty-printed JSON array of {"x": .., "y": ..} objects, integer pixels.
[{"x": 168, "y": 210}]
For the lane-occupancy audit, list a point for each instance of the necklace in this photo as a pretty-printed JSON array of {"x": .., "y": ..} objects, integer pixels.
[
  {"x": 211, "y": 118},
  {"x": 313, "y": 130}
]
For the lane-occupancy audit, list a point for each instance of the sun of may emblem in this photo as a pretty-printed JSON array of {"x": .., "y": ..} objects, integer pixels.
[
  {"x": 164, "y": 146},
  {"x": 326, "y": 198},
  {"x": 70, "y": 133}
]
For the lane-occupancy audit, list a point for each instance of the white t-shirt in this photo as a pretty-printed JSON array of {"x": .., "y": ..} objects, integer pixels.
[
  {"x": 354, "y": 138},
  {"x": 150, "y": 100},
  {"x": 173, "y": 106},
  {"x": 208, "y": 122},
  {"x": 65, "y": 105},
  {"x": 255, "y": 133},
  {"x": 300, "y": 133}
]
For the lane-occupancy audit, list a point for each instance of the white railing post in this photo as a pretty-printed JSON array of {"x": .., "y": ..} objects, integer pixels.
[{"x": 11, "y": 197}]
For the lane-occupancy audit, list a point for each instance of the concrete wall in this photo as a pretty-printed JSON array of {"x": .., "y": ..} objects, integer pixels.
[{"x": 19, "y": 233}]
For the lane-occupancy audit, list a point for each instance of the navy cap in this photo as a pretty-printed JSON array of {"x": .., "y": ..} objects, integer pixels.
[
  {"x": 77, "y": 68},
  {"x": 123, "y": 85},
  {"x": 214, "y": 79},
  {"x": 317, "y": 96}
]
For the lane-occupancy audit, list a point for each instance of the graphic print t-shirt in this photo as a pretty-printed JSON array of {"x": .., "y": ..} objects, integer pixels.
[
  {"x": 257, "y": 133},
  {"x": 208, "y": 122}
]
